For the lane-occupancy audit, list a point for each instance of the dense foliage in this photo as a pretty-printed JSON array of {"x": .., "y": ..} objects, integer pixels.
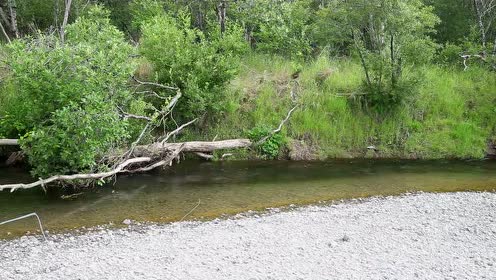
[
  {"x": 61, "y": 97},
  {"x": 187, "y": 58}
]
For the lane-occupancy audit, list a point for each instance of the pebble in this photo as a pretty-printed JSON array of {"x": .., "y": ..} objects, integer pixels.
[{"x": 426, "y": 236}]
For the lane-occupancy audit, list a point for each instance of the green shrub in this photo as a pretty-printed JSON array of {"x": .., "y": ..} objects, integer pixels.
[
  {"x": 450, "y": 55},
  {"x": 270, "y": 149},
  {"x": 182, "y": 56},
  {"x": 66, "y": 95},
  {"x": 276, "y": 26}
]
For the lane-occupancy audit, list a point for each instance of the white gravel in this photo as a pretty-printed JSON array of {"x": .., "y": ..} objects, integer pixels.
[{"x": 422, "y": 236}]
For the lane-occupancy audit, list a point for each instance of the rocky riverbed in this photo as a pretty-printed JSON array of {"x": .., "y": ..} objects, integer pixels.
[{"x": 419, "y": 236}]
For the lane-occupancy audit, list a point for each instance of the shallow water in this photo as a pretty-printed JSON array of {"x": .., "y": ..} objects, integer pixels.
[{"x": 233, "y": 187}]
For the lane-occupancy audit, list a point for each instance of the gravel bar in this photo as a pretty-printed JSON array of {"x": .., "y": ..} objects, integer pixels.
[{"x": 417, "y": 236}]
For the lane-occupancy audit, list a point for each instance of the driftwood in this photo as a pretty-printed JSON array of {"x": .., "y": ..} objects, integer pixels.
[
  {"x": 15, "y": 158},
  {"x": 155, "y": 153},
  {"x": 9, "y": 142},
  {"x": 97, "y": 176},
  {"x": 143, "y": 158},
  {"x": 482, "y": 56}
]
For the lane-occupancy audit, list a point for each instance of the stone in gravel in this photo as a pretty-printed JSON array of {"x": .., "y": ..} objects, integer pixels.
[{"x": 287, "y": 245}]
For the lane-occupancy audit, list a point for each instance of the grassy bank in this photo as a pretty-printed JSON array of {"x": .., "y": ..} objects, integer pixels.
[{"x": 449, "y": 115}]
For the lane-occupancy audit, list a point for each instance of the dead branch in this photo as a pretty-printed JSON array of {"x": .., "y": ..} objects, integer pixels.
[
  {"x": 165, "y": 162},
  {"x": 173, "y": 102},
  {"x": 27, "y": 216},
  {"x": 154, "y": 84},
  {"x": 65, "y": 178},
  {"x": 5, "y": 33},
  {"x": 164, "y": 113},
  {"x": 156, "y": 150},
  {"x": 279, "y": 128},
  {"x": 176, "y": 131},
  {"x": 205, "y": 156},
  {"x": 9, "y": 142},
  {"x": 156, "y": 154},
  {"x": 466, "y": 57},
  {"x": 133, "y": 116},
  {"x": 191, "y": 211},
  {"x": 15, "y": 158},
  {"x": 226, "y": 155}
]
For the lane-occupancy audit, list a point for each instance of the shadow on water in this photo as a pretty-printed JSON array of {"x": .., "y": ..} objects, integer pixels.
[{"x": 233, "y": 187}]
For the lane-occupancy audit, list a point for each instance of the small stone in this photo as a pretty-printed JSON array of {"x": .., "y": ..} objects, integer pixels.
[
  {"x": 345, "y": 238},
  {"x": 127, "y": 222}
]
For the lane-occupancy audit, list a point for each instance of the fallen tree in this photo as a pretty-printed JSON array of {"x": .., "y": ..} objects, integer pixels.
[
  {"x": 143, "y": 158},
  {"x": 82, "y": 130},
  {"x": 159, "y": 154}
]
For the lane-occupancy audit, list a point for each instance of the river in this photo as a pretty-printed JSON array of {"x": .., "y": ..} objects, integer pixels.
[{"x": 219, "y": 189}]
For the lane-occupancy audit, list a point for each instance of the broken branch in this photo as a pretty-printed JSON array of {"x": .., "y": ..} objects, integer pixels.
[
  {"x": 101, "y": 175},
  {"x": 9, "y": 142},
  {"x": 176, "y": 131},
  {"x": 279, "y": 128},
  {"x": 154, "y": 84}
]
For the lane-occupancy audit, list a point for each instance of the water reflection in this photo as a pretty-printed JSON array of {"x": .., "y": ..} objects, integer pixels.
[{"x": 232, "y": 187}]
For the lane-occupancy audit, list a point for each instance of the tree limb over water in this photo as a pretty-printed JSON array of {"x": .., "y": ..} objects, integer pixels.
[
  {"x": 146, "y": 157},
  {"x": 160, "y": 154}
]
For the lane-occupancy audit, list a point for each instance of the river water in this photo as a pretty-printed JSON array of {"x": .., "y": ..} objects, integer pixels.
[{"x": 226, "y": 188}]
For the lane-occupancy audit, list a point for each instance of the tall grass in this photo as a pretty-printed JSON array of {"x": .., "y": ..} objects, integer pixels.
[{"x": 449, "y": 115}]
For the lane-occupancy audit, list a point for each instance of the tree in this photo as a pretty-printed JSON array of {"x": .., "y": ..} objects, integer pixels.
[
  {"x": 388, "y": 35},
  {"x": 68, "y": 4},
  {"x": 13, "y": 17},
  {"x": 62, "y": 99},
  {"x": 280, "y": 26},
  {"x": 185, "y": 57},
  {"x": 485, "y": 11}
]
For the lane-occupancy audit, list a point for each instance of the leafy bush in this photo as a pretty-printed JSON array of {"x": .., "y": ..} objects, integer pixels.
[
  {"x": 182, "y": 56},
  {"x": 390, "y": 39},
  {"x": 66, "y": 94},
  {"x": 271, "y": 148},
  {"x": 279, "y": 26},
  {"x": 450, "y": 54}
]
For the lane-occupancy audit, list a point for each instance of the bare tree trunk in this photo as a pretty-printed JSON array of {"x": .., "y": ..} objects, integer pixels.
[
  {"x": 56, "y": 12},
  {"x": 66, "y": 18},
  {"x": 5, "y": 33},
  {"x": 362, "y": 58},
  {"x": 393, "y": 72},
  {"x": 485, "y": 16},
  {"x": 5, "y": 19},
  {"x": 13, "y": 17},
  {"x": 494, "y": 49},
  {"x": 221, "y": 10},
  {"x": 478, "y": 5}
]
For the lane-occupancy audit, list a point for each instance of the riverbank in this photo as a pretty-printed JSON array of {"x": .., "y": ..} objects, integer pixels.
[
  {"x": 447, "y": 112},
  {"x": 426, "y": 236}
]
